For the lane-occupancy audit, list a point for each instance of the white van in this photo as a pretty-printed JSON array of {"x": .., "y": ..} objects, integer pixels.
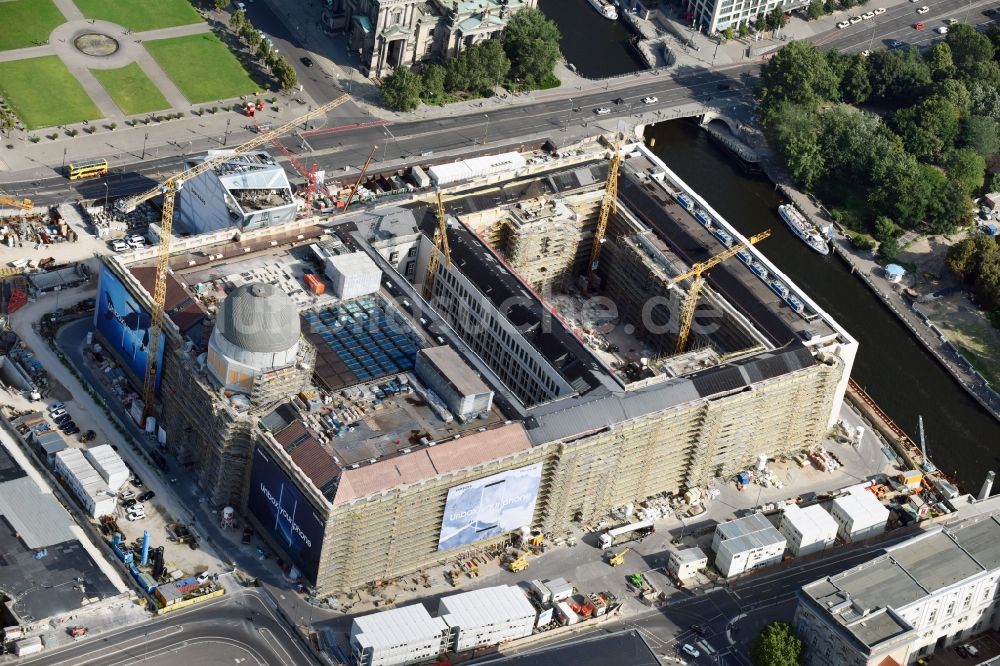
[{"x": 119, "y": 246}]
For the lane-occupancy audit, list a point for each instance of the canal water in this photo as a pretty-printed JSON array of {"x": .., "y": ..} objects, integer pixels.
[
  {"x": 597, "y": 47},
  {"x": 891, "y": 366}
]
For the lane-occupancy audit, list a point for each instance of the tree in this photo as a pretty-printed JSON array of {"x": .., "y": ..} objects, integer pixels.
[
  {"x": 985, "y": 100},
  {"x": 777, "y": 645},
  {"x": 955, "y": 92},
  {"x": 728, "y": 33},
  {"x": 816, "y": 9},
  {"x": 898, "y": 76},
  {"x": 855, "y": 86},
  {"x": 963, "y": 258},
  {"x": 994, "y": 183},
  {"x": 776, "y": 19},
  {"x": 432, "y": 79},
  {"x": 796, "y": 133},
  {"x": 976, "y": 261},
  {"x": 798, "y": 73},
  {"x": 744, "y": 30},
  {"x": 969, "y": 48},
  {"x": 531, "y": 41},
  {"x": 284, "y": 73},
  {"x": 401, "y": 89},
  {"x": 238, "y": 19},
  {"x": 220, "y": 4},
  {"x": 250, "y": 36},
  {"x": 887, "y": 250},
  {"x": 929, "y": 127},
  {"x": 885, "y": 229},
  {"x": 940, "y": 61},
  {"x": 263, "y": 51},
  {"x": 967, "y": 168}
]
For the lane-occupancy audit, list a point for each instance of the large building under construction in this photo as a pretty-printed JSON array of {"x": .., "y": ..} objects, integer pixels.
[{"x": 424, "y": 404}]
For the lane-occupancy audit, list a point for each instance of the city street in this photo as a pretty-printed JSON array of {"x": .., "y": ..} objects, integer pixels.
[{"x": 240, "y": 628}]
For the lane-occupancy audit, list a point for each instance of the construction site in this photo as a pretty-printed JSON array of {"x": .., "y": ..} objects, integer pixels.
[{"x": 526, "y": 341}]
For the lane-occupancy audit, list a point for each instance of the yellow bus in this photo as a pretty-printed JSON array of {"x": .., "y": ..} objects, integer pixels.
[{"x": 87, "y": 169}]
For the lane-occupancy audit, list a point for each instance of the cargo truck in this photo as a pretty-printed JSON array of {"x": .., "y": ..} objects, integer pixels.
[{"x": 630, "y": 532}]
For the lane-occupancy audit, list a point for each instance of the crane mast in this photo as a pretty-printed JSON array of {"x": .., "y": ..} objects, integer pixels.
[
  {"x": 608, "y": 206},
  {"x": 691, "y": 300},
  {"x": 357, "y": 183},
  {"x": 440, "y": 245},
  {"x": 169, "y": 189}
]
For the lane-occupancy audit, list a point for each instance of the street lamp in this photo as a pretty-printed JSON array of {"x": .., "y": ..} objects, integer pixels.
[
  {"x": 486, "y": 135},
  {"x": 225, "y": 140},
  {"x": 105, "y": 195},
  {"x": 144, "y": 140}
]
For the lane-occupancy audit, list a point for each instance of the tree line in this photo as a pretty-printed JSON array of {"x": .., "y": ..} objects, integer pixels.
[
  {"x": 270, "y": 59},
  {"x": 524, "y": 56},
  {"x": 894, "y": 140}
]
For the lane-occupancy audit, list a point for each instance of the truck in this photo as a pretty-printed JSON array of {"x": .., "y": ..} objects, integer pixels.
[{"x": 630, "y": 532}]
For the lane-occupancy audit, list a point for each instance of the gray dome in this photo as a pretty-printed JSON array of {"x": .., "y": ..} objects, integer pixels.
[{"x": 259, "y": 318}]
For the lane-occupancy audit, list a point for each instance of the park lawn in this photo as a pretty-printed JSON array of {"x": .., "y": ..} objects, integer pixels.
[
  {"x": 139, "y": 15},
  {"x": 202, "y": 67},
  {"x": 43, "y": 93},
  {"x": 131, "y": 89},
  {"x": 27, "y": 23}
]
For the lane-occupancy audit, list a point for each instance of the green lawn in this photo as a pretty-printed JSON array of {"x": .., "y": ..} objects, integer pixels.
[
  {"x": 43, "y": 93},
  {"x": 27, "y": 22},
  {"x": 138, "y": 15},
  {"x": 202, "y": 67},
  {"x": 131, "y": 89}
]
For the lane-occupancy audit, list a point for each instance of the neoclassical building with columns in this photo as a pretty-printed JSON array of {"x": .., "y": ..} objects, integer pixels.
[{"x": 388, "y": 33}]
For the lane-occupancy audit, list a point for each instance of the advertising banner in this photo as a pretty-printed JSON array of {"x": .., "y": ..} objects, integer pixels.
[
  {"x": 125, "y": 325},
  {"x": 280, "y": 507},
  {"x": 491, "y": 506}
]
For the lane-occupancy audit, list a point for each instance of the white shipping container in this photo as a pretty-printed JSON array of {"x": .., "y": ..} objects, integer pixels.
[
  {"x": 31, "y": 645},
  {"x": 566, "y": 614},
  {"x": 476, "y": 167}
]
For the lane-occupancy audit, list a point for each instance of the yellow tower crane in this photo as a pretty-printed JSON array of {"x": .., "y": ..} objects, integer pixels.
[
  {"x": 169, "y": 189},
  {"x": 691, "y": 300},
  {"x": 608, "y": 206},
  {"x": 440, "y": 245},
  {"x": 23, "y": 204}
]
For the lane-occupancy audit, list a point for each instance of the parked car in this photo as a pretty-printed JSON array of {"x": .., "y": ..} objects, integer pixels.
[
  {"x": 67, "y": 424},
  {"x": 854, "y": 19},
  {"x": 306, "y": 60},
  {"x": 698, "y": 629},
  {"x": 136, "y": 481},
  {"x": 126, "y": 494},
  {"x": 247, "y": 534},
  {"x": 59, "y": 420},
  {"x": 72, "y": 430},
  {"x": 119, "y": 246},
  {"x": 602, "y": 111},
  {"x": 880, "y": 11},
  {"x": 690, "y": 650},
  {"x": 132, "y": 517},
  {"x": 895, "y": 44},
  {"x": 867, "y": 16},
  {"x": 843, "y": 24},
  {"x": 129, "y": 503},
  {"x": 146, "y": 496},
  {"x": 56, "y": 413},
  {"x": 56, "y": 405}
]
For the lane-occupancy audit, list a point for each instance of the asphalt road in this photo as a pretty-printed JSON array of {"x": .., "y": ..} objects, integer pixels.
[
  {"x": 898, "y": 24},
  {"x": 238, "y": 629}
]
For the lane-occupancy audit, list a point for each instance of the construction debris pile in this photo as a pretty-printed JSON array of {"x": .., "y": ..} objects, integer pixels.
[
  {"x": 36, "y": 229},
  {"x": 111, "y": 223}
]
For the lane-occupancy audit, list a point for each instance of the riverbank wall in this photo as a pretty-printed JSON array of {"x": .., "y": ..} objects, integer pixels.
[{"x": 865, "y": 268}]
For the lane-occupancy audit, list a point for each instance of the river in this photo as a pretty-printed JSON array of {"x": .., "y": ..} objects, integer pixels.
[
  {"x": 597, "y": 47},
  {"x": 891, "y": 366}
]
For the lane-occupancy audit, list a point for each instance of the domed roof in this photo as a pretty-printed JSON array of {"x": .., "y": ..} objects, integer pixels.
[{"x": 259, "y": 318}]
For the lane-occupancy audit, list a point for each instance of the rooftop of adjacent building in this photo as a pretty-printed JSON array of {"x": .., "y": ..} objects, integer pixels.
[
  {"x": 907, "y": 573},
  {"x": 624, "y": 648}
]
